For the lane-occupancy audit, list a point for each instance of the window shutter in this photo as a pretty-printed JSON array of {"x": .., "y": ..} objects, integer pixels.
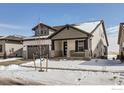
[
  {"x": 86, "y": 44},
  {"x": 53, "y": 46},
  {"x": 76, "y": 46}
]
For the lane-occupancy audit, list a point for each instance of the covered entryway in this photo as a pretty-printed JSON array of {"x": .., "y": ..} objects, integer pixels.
[
  {"x": 35, "y": 49},
  {"x": 71, "y": 42}
]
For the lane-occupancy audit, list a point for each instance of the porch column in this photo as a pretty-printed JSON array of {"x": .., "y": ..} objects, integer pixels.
[
  {"x": 52, "y": 50},
  {"x": 70, "y": 47},
  {"x": 88, "y": 48},
  {"x": 25, "y": 52}
]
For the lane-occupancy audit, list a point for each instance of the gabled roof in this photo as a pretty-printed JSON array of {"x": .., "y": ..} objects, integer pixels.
[
  {"x": 85, "y": 27},
  {"x": 41, "y": 24},
  {"x": 58, "y": 27},
  {"x": 105, "y": 32},
  {"x": 11, "y": 37},
  {"x": 66, "y": 26},
  {"x": 120, "y": 31},
  {"x": 88, "y": 26},
  {"x": 35, "y": 38}
]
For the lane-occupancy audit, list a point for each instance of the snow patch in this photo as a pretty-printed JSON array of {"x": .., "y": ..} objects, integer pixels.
[
  {"x": 9, "y": 59},
  {"x": 94, "y": 64}
]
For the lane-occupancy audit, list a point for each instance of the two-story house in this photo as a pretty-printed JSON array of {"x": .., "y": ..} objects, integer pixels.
[
  {"x": 33, "y": 45},
  {"x": 83, "y": 40}
]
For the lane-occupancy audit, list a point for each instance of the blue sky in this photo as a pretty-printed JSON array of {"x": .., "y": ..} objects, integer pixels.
[
  {"x": 27, "y": 15},
  {"x": 20, "y": 18}
]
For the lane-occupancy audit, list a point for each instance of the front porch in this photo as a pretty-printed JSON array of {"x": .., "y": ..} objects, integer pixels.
[
  {"x": 71, "y": 42},
  {"x": 74, "y": 48}
]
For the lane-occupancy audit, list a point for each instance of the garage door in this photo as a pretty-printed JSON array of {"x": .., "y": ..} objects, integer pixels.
[{"x": 35, "y": 49}]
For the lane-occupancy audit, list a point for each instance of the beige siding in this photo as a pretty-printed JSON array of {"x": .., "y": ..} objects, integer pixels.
[
  {"x": 98, "y": 41},
  {"x": 71, "y": 33},
  {"x": 25, "y": 54},
  {"x": 16, "y": 47},
  {"x": 71, "y": 46}
]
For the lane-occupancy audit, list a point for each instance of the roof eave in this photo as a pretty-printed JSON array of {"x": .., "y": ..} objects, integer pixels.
[
  {"x": 101, "y": 22},
  {"x": 33, "y": 29},
  {"x": 67, "y": 25}
]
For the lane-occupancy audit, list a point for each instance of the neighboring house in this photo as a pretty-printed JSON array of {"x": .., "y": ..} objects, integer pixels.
[
  {"x": 84, "y": 40},
  {"x": 11, "y": 46},
  {"x": 121, "y": 40},
  {"x": 32, "y": 45}
]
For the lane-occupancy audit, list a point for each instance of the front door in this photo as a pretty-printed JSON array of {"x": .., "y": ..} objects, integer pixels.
[{"x": 65, "y": 48}]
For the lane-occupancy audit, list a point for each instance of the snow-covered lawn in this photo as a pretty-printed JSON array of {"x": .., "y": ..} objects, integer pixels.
[
  {"x": 58, "y": 77},
  {"x": 67, "y": 77},
  {"x": 94, "y": 64}
]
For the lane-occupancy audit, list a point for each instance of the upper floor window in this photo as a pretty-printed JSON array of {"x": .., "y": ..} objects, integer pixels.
[{"x": 42, "y": 32}]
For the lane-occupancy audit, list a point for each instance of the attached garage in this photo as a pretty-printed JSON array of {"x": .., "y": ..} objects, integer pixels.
[{"x": 35, "y": 49}]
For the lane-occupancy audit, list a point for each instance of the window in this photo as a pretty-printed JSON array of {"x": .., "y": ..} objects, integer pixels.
[
  {"x": 79, "y": 45},
  {"x": 42, "y": 32},
  {"x": 46, "y": 32},
  {"x": 37, "y": 33},
  {"x": 0, "y": 48}
]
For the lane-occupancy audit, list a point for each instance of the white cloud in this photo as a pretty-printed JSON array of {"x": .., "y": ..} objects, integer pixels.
[
  {"x": 9, "y": 26},
  {"x": 112, "y": 33},
  {"x": 112, "y": 30},
  {"x": 10, "y": 29}
]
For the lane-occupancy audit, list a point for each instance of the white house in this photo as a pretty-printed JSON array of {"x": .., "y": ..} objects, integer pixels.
[{"x": 83, "y": 40}]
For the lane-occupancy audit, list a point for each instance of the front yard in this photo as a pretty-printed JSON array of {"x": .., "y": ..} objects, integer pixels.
[
  {"x": 81, "y": 65},
  {"x": 11, "y": 61},
  {"x": 76, "y": 72}
]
